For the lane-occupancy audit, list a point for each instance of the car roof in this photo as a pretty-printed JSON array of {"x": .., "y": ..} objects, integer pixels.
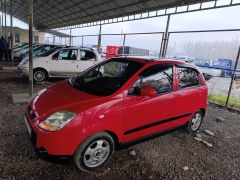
[
  {"x": 151, "y": 59},
  {"x": 78, "y": 47},
  {"x": 156, "y": 60}
]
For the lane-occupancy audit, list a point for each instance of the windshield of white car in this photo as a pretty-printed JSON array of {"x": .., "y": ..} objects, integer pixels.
[{"x": 107, "y": 77}]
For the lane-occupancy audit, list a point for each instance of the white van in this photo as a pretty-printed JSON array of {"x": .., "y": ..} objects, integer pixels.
[{"x": 65, "y": 62}]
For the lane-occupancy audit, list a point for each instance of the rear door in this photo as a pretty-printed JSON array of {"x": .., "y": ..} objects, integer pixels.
[
  {"x": 148, "y": 115},
  {"x": 64, "y": 63},
  {"x": 87, "y": 59},
  {"x": 191, "y": 95}
]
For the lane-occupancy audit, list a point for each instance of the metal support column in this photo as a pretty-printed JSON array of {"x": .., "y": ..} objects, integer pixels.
[
  {"x": 11, "y": 34},
  {"x": 5, "y": 16},
  {"x": 233, "y": 76},
  {"x": 165, "y": 38},
  {"x": 99, "y": 38},
  {"x": 70, "y": 43},
  {"x": 82, "y": 40},
  {"x": 53, "y": 40},
  {"x": 2, "y": 15},
  {"x": 124, "y": 41},
  {"x": 30, "y": 4},
  {"x": 1, "y": 24}
]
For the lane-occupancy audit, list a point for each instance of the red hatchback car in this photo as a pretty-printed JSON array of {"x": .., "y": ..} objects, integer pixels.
[{"x": 115, "y": 102}]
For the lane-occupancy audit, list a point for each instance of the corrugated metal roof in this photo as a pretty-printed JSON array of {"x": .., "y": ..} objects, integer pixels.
[{"x": 51, "y": 14}]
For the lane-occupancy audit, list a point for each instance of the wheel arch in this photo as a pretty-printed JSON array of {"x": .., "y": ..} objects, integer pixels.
[{"x": 203, "y": 111}]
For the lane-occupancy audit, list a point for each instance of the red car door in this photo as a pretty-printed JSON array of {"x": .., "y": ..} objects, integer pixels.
[
  {"x": 190, "y": 95},
  {"x": 144, "y": 115}
]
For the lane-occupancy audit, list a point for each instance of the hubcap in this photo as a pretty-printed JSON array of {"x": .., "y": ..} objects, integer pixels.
[
  {"x": 97, "y": 153},
  {"x": 196, "y": 121},
  {"x": 39, "y": 76}
]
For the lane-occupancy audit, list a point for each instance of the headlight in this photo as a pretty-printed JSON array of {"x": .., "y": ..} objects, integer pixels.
[{"x": 57, "y": 120}]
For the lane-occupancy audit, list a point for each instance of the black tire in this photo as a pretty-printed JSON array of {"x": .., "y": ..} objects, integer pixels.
[
  {"x": 81, "y": 154},
  {"x": 191, "y": 129},
  {"x": 37, "y": 73}
]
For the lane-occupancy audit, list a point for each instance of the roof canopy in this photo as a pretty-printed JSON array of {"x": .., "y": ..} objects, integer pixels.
[{"x": 52, "y": 14}]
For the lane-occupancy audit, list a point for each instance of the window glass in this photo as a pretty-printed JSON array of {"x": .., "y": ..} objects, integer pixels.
[
  {"x": 17, "y": 38},
  {"x": 36, "y": 39},
  {"x": 187, "y": 77},
  {"x": 74, "y": 54},
  {"x": 160, "y": 77},
  {"x": 87, "y": 55},
  {"x": 66, "y": 54}
]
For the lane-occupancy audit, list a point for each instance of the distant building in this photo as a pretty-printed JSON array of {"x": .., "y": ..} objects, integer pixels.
[{"x": 21, "y": 35}]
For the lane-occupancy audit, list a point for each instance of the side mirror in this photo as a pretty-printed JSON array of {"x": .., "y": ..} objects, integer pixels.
[{"x": 148, "y": 91}]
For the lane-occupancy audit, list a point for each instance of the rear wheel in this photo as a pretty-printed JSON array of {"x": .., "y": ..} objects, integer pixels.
[
  {"x": 39, "y": 75},
  {"x": 94, "y": 152},
  {"x": 195, "y": 123}
]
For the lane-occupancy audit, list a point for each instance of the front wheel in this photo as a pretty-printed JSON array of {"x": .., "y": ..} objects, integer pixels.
[
  {"x": 94, "y": 152},
  {"x": 195, "y": 123},
  {"x": 39, "y": 75}
]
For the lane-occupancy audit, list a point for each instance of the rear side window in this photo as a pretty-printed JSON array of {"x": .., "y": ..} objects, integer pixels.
[
  {"x": 187, "y": 77},
  {"x": 87, "y": 55}
]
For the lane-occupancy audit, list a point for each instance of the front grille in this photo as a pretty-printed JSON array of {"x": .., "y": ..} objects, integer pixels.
[{"x": 31, "y": 113}]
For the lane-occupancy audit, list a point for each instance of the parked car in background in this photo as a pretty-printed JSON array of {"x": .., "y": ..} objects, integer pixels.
[
  {"x": 19, "y": 45},
  {"x": 184, "y": 58},
  {"x": 113, "y": 103},
  {"x": 65, "y": 62},
  {"x": 237, "y": 73},
  {"x": 114, "y": 51},
  {"x": 37, "y": 51},
  {"x": 225, "y": 65},
  {"x": 202, "y": 62},
  {"x": 18, "y": 48},
  {"x": 17, "y": 53}
]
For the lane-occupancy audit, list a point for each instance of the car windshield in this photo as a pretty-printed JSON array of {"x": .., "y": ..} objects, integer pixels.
[{"x": 107, "y": 77}]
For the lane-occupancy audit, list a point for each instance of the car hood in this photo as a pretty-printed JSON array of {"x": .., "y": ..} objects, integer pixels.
[{"x": 62, "y": 96}]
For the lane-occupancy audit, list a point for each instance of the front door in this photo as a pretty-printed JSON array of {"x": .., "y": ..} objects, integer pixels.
[
  {"x": 64, "y": 63},
  {"x": 147, "y": 115}
]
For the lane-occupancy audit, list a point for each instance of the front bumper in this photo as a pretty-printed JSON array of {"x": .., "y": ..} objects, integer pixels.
[
  {"x": 55, "y": 143},
  {"x": 24, "y": 70}
]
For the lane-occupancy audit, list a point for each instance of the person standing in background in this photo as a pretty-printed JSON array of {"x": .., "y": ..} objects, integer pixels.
[
  {"x": 3, "y": 48},
  {"x": 9, "y": 48}
]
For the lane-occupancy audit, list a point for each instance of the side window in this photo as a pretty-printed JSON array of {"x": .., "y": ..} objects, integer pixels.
[
  {"x": 159, "y": 77},
  {"x": 87, "y": 55},
  {"x": 66, "y": 54},
  {"x": 36, "y": 39},
  {"x": 74, "y": 54},
  {"x": 187, "y": 77},
  {"x": 17, "y": 38}
]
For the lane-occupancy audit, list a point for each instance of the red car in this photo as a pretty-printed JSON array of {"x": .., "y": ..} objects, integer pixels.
[{"x": 116, "y": 102}]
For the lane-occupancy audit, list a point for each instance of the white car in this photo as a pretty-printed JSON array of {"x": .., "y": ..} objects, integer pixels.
[{"x": 65, "y": 62}]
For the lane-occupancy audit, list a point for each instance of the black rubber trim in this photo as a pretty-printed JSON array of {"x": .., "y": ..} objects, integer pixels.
[{"x": 156, "y": 123}]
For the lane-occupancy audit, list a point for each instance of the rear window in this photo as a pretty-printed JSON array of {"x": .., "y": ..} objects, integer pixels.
[{"x": 187, "y": 77}]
